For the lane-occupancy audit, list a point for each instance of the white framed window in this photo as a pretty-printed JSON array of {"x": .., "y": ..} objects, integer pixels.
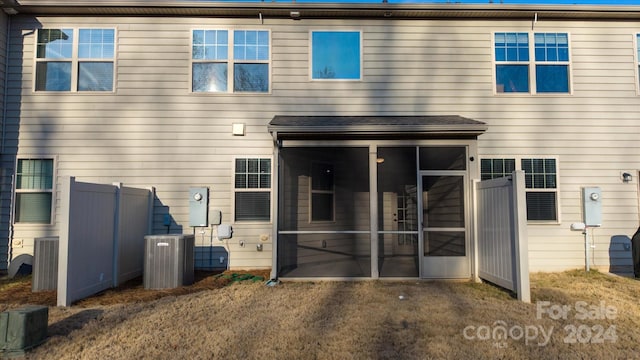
[
  {"x": 322, "y": 205},
  {"x": 637, "y": 43},
  {"x": 34, "y": 190},
  {"x": 235, "y": 61},
  {"x": 336, "y": 55},
  {"x": 538, "y": 69},
  {"x": 75, "y": 60},
  {"x": 252, "y": 189},
  {"x": 541, "y": 179}
]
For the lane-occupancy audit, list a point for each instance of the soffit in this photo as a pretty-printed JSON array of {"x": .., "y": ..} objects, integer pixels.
[{"x": 322, "y": 10}]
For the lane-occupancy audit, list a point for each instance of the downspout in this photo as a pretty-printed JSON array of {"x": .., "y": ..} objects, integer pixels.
[
  {"x": 8, "y": 12},
  {"x": 2, "y": 141}
]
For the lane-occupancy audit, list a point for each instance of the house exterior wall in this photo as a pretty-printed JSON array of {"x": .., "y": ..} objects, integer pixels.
[{"x": 152, "y": 131}]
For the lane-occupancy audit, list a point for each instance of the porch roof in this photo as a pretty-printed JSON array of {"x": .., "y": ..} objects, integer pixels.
[{"x": 358, "y": 127}]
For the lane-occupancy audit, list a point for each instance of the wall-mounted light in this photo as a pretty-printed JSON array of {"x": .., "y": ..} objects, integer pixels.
[
  {"x": 379, "y": 160},
  {"x": 295, "y": 15},
  {"x": 626, "y": 177}
]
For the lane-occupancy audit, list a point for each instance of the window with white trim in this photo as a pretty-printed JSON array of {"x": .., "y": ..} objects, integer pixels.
[
  {"x": 541, "y": 179},
  {"x": 638, "y": 56},
  {"x": 336, "y": 55},
  {"x": 230, "y": 61},
  {"x": 75, "y": 60},
  {"x": 543, "y": 68},
  {"x": 322, "y": 192},
  {"x": 34, "y": 191},
  {"x": 252, "y": 190}
]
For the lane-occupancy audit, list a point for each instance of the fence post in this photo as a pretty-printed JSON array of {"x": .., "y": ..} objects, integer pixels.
[
  {"x": 474, "y": 244},
  {"x": 152, "y": 199},
  {"x": 63, "y": 244},
  {"x": 116, "y": 234},
  {"x": 520, "y": 239}
]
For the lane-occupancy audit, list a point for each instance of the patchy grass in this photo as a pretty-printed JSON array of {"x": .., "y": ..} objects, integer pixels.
[{"x": 360, "y": 320}]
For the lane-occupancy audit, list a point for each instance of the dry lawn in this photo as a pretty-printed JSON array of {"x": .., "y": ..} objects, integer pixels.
[{"x": 344, "y": 320}]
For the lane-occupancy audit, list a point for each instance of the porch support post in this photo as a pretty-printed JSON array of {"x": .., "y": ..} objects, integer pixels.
[
  {"x": 373, "y": 208},
  {"x": 275, "y": 197}
]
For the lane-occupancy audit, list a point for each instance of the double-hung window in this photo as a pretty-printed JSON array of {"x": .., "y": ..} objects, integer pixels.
[
  {"x": 541, "y": 180},
  {"x": 336, "y": 55},
  {"x": 638, "y": 56},
  {"x": 75, "y": 60},
  {"x": 252, "y": 195},
  {"x": 34, "y": 191},
  {"x": 230, "y": 61},
  {"x": 537, "y": 69}
]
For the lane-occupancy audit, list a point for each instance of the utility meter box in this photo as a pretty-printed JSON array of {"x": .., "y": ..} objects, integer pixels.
[
  {"x": 592, "y": 202},
  {"x": 198, "y": 206}
]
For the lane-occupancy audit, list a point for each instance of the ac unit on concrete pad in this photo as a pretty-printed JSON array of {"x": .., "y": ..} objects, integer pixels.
[
  {"x": 22, "y": 329},
  {"x": 168, "y": 261}
]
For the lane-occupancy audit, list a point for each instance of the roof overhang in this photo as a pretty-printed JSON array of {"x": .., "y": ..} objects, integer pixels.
[
  {"x": 263, "y": 9},
  {"x": 374, "y": 127}
]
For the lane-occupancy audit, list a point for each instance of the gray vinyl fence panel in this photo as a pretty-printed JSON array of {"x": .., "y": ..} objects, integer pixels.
[
  {"x": 133, "y": 225},
  {"x": 97, "y": 227},
  {"x": 502, "y": 233}
]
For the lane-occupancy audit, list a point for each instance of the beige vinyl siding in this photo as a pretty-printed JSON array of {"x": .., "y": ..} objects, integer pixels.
[{"x": 153, "y": 132}]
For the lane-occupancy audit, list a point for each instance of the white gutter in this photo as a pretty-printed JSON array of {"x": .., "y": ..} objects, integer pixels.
[{"x": 323, "y": 10}]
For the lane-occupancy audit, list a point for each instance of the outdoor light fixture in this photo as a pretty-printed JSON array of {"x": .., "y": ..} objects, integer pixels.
[
  {"x": 626, "y": 177},
  {"x": 379, "y": 160},
  {"x": 295, "y": 15}
]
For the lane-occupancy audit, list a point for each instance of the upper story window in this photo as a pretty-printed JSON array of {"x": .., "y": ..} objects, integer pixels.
[
  {"x": 230, "y": 61},
  {"x": 34, "y": 191},
  {"x": 540, "y": 181},
  {"x": 75, "y": 60},
  {"x": 541, "y": 68},
  {"x": 336, "y": 55}
]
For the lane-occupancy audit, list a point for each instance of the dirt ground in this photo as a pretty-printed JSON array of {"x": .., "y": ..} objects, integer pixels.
[{"x": 573, "y": 315}]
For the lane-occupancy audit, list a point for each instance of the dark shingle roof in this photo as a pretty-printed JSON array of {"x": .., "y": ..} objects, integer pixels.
[{"x": 425, "y": 126}]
